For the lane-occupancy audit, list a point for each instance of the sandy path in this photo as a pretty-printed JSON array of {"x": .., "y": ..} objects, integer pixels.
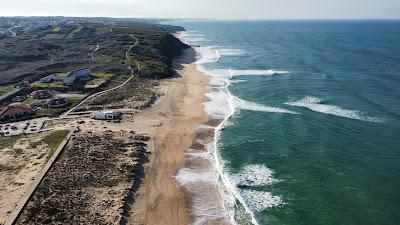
[{"x": 171, "y": 123}]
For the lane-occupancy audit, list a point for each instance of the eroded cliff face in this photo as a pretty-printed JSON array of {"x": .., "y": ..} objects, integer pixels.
[{"x": 171, "y": 47}]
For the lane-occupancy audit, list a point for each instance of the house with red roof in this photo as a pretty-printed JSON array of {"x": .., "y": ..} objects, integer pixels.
[
  {"x": 41, "y": 94},
  {"x": 57, "y": 102},
  {"x": 15, "y": 111}
]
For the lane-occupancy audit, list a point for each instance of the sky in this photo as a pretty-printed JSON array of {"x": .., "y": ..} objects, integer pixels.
[{"x": 216, "y": 9}]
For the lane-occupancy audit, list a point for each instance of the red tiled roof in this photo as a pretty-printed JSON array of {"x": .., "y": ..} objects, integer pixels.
[
  {"x": 14, "y": 108},
  {"x": 57, "y": 101},
  {"x": 40, "y": 94}
]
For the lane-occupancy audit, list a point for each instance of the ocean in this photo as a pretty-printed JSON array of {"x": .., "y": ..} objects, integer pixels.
[{"x": 310, "y": 114}]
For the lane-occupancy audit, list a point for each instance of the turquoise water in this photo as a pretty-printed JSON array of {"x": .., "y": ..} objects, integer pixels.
[{"x": 315, "y": 137}]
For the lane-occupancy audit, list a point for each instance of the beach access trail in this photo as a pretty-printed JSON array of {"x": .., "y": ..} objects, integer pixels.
[{"x": 133, "y": 73}]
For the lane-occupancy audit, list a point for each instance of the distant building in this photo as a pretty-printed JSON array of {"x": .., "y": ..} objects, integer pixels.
[
  {"x": 39, "y": 104},
  {"x": 24, "y": 84},
  {"x": 15, "y": 111},
  {"x": 51, "y": 78},
  {"x": 41, "y": 94},
  {"x": 105, "y": 115},
  {"x": 7, "y": 97},
  {"x": 82, "y": 74},
  {"x": 19, "y": 98},
  {"x": 57, "y": 102}
]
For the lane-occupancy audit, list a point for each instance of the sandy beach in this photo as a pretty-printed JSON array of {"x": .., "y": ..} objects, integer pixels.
[{"x": 171, "y": 123}]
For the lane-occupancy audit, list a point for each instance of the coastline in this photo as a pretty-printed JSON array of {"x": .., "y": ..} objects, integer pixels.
[{"x": 171, "y": 123}]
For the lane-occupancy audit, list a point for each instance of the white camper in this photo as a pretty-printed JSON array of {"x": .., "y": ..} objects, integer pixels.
[{"x": 105, "y": 115}]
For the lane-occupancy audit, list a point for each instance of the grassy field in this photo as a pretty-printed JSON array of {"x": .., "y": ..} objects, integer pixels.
[
  {"x": 36, "y": 53},
  {"x": 6, "y": 89},
  {"x": 54, "y": 139},
  {"x": 45, "y": 111},
  {"x": 8, "y": 142},
  {"x": 55, "y": 84},
  {"x": 29, "y": 100}
]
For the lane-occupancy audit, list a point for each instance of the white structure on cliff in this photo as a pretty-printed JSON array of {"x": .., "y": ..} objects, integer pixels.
[
  {"x": 82, "y": 74},
  {"x": 105, "y": 115}
]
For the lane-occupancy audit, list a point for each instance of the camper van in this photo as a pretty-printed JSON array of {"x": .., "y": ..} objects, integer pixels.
[{"x": 106, "y": 115}]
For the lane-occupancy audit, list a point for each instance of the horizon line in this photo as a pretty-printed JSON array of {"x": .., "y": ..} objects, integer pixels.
[{"x": 212, "y": 19}]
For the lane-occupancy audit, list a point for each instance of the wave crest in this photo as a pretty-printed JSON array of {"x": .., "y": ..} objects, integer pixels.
[
  {"x": 254, "y": 176},
  {"x": 260, "y": 201},
  {"x": 252, "y": 106},
  {"x": 315, "y": 104}
]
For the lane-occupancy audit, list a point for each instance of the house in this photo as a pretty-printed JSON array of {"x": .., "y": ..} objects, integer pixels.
[
  {"x": 82, "y": 74},
  {"x": 15, "y": 111},
  {"x": 19, "y": 98},
  {"x": 51, "y": 78},
  {"x": 7, "y": 97},
  {"x": 41, "y": 94},
  {"x": 39, "y": 104},
  {"x": 105, "y": 115},
  {"x": 24, "y": 84},
  {"x": 57, "y": 102}
]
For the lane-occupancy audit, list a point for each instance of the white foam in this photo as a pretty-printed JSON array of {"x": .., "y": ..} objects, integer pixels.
[
  {"x": 232, "y": 52},
  {"x": 207, "y": 55},
  {"x": 217, "y": 107},
  {"x": 221, "y": 105},
  {"x": 257, "y": 72},
  {"x": 189, "y": 37},
  {"x": 187, "y": 175},
  {"x": 252, "y": 106},
  {"x": 229, "y": 73},
  {"x": 314, "y": 104},
  {"x": 202, "y": 187},
  {"x": 196, "y": 39},
  {"x": 238, "y": 81},
  {"x": 260, "y": 201},
  {"x": 254, "y": 176}
]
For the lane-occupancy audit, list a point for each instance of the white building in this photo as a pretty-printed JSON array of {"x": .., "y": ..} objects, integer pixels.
[
  {"x": 82, "y": 74},
  {"x": 105, "y": 115}
]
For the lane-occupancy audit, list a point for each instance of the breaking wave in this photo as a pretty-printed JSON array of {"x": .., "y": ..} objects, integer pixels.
[
  {"x": 252, "y": 106},
  {"x": 214, "y": 192},
  {"x": 237, "y": 81},
  {"x": 254, "y": 176},
  {"x": 232, "y": 52},
  {"x": 259, "y": 201},
  {"x": 316, "y": 105}
]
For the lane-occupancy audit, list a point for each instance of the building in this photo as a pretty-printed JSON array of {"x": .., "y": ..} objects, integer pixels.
[
  {"x": 105, "y": 115},
  {"x": 41, "y": 94},
  {"x": 7, "y": 97},
  {"x": 15, "y": 111},
  {"x": 51, "y": 78},
  {"x": 19, "y": 98},
  {"x": 57, "y": 102},
  {"x": 82, "y": 74},
  {"x": 39, "y": 104}
]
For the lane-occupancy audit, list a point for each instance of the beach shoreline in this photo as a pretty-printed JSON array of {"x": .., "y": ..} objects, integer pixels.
[{"x": 171, "y": 123}]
